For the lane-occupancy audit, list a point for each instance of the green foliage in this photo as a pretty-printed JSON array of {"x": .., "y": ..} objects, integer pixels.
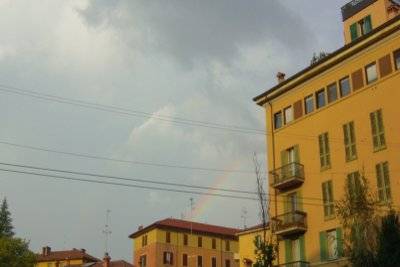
[
  {"x": 389, "y": 241},
  {"x": 6, "y": 228},
  {"x": 14, "y": 252},
  {"x": 317, "y": 57},
  {"x": 265, "y": 252},
  {"x": 357, "y": 213}
]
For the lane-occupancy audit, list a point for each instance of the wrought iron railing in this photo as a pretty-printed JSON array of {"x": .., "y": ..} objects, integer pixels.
[
  {"x": 287, "y": 173},
  {"x": 293, "y": 221},
  {"x": 294, "y": 264}
]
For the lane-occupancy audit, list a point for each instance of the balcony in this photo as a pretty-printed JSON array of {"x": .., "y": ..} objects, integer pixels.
[
  {"x": 291, "y": 223},
  {"x": 287, "y": 176},
  {"x": 294, "y": 264}
]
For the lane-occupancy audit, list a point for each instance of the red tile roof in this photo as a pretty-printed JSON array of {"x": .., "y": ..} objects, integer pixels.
[
  {"x": 115, "y": 264},
  {"x": 74, "y": 254},
  {"x": 199, "y": 228}
]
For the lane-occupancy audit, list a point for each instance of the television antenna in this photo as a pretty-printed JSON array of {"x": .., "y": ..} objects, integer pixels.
[{"x": 107, "y": 232}]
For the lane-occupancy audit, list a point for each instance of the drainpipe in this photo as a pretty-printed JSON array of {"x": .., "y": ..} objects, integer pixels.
[{"x": 274, "y": 166}]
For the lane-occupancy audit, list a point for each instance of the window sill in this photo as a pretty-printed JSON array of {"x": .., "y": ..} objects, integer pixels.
[
  {"x": 325, "y": 168},
  {"x": 330, "y": 217},
  {"x": 378, "y": 149},
  {"x": 352, "y": 159}
]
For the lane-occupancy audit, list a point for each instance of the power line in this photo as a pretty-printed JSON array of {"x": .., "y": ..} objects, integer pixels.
[
  {"x": 96, "y": 157},
  {"x": 128, "y": 179}
]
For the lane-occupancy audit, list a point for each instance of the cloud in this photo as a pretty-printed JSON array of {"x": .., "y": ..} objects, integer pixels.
[{"x": 197, "y": 31}]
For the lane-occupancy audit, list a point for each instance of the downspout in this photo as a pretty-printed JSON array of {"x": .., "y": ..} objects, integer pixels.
[{"x": 274, "y": 167}]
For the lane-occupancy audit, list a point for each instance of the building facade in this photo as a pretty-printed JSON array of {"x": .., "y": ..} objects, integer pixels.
[
  {"x": 247, "y": 239},
  {"x": 327, "y": 126},
  {"x": 64, "y": 258},
  {"x": 173, "y": 242}
]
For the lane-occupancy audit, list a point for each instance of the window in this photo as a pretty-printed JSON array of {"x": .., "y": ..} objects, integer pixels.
[
  {"x": 331, "y": 244},
  {"x": 396, "y": 55},
  {"x": 199, "y": 261},
  {"x": 324, "y": 154},
  {"x": 327, "y": 196},
  {"x": 227, "y": 263},
  {"x": 320, "y": 95},
  {"x": 278, "y": 120},
  {"x": 360, "y": 28},
  {"x": 294, "y": 249},
  {"x": 309, "y": 104},
  {"x": 144, "y": 240},
  {"x": 288, "y": 114},
  {"x": 332, "y": 92},
  {"x": 353, "y": 184},
  {"x": 168, "y": 237},
  {"x": 382, "y": 174},
  {"x": 344, "y": 87},
  {"x": 168, "y": 258},
  {"x": 142, "y": 261},
  {"x": 371, "y": 73},
  {"x": 378, "y": 132},
  {"x": 184, "y": 259},
  {"x": 214, "y": 243},
  {"x": 258, "y": 240},
  {"x": 350, "y": 141},
  {"x": 213, "y": 262},
  {"x": 227, "y": 245},
  {"x": 200, "y": 242},
  {"x": 185, "y": 240}
]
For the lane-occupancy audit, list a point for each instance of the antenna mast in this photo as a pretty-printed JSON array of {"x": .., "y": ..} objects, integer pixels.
[
  {"x": 107, "y": 231},
  {"x": 244, "y": 217}
]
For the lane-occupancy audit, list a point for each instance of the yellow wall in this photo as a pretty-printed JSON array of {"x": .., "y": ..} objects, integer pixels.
[
  {"x": 378, "y": 12},
  {"x": 383, "y": 94},
  {"x": 61, "y": 263}
]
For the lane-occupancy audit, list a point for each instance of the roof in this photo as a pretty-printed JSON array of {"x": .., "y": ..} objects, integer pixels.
[
  {"x": 187, "y": 226},
  {"x": 252, "y": 229},
  {"x": 74, "y": 254},
  {"x": 328, "y": 61}
]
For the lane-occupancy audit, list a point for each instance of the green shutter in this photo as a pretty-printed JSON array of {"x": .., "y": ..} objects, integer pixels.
[
  {"x": 339, "y": 240},
  {"x": 284, "y": 157},
  {"x": 331, "y": 201},
  {"x": 302, "y": 248},
  {"x": 321, "y": 150},
  {"x": 353, "y": 31},
  {"x": 327, "y": 150},
  {"x": 324, "y": 198},
  {"x": 288, "y": 250},
  {"x": 386, "y": 180},
  {"x": 296, "y": 154},
  {"x": 379, "y": 177},
  {"x": 367, "y": 24},
  {"x": 374, "y": 129},
  {"x": 323, "y": 246}
]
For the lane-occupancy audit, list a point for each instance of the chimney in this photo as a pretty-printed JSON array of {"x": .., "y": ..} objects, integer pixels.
[
  {"x": 106, "y": 260},
  {"x": 83, "y": 250},
  {"x": 46, "y": 251},
  {"x": 140, "y": 227},
  {"x": 280, "y": 76}
]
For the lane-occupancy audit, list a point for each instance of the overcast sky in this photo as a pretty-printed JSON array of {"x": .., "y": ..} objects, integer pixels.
[{"x": 199, "y": 60}]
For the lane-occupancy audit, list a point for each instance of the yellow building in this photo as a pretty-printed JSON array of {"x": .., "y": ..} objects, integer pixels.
[
  {"x": 247, "y": 247},
  {"x": 64, "y": 258},
  {"x": 173, "y": 242},
  {"x": 327, "y": 125}
]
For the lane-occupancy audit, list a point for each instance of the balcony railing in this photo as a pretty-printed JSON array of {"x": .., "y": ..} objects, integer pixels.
[
  {"x": 290, "y": 223},
  {"x": 287, "y": 176},
  {"x": 294, "y": 264}
]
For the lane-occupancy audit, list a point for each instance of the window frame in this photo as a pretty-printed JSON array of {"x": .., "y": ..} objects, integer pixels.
[
  {"x": 213, "y": 262},
  {"x": 350, "y": 143},
  {"x": 383, "y": 182},
  {"x": 328, "y": 199},
  {"x": 168, "y": 258},
  {"x": 328, "y": 90},
  {"x": 199, "y": 261},
  {"x": 285, "y": 119},
  {"x": 276, "y": 125},
  {"x": 185, "y": 260},
  {"x": 324, "y": 151},
  {"x": 199, "y": 241},
  {"x": 307, "y": 100},
  {"x": 347, "y": 78},
  {"x": 141, "y": 262},
  {"x": 168, "y": 237},
  {"x": 367, "y": 78},
  {"x": 396, "y": 58},
  {"x": 317, "y": 95},
  {"x": 336, "y": 252},
  {"x": 377, "y": 130}
]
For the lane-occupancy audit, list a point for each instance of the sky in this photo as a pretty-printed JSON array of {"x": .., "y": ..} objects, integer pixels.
[{"x": 156, "y": 61}]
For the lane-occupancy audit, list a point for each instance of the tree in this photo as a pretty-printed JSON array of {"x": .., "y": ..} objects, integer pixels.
[
  {"x": 14, "y": 252},
  {"x": 388, "y": 254},
  {"x": 6, "y": 228},
  {"x": 357, "y": 211},
  {"x": 317, "y": 57},
  {"x": 265, "y": 247}
]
